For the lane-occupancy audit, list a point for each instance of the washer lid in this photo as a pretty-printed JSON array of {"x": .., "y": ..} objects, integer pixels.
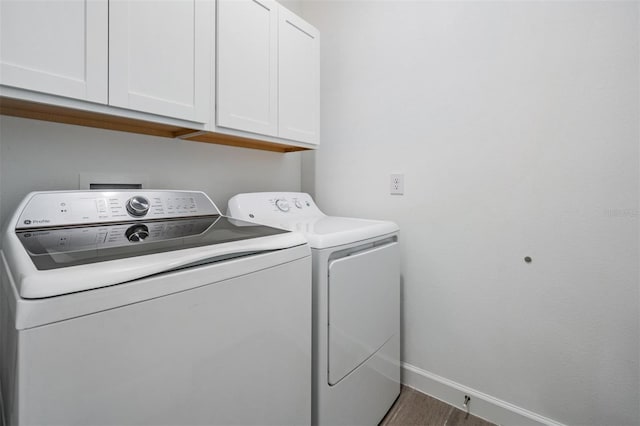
[
  {"x": 65, "y": 247},
  {"x": 52, "y": 262},
  {"x": 330, "y": 231}
]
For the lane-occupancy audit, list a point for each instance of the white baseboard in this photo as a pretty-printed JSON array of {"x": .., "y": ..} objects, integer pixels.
[{"x": 481, "y": 405}]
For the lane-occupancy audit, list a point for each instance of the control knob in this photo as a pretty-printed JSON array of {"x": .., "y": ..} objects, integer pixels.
[
  {"x": 283, "y": 205},
  {"x": 137, "y": 233},
  {"x": 137, "y": 206}
]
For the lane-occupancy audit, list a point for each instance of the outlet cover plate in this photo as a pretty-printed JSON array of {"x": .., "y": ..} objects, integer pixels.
[{"x": 396, "y": 184}]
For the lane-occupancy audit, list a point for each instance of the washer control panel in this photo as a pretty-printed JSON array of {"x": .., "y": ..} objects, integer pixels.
[
  {"x": 60, "y": 208},
  {"x": 267, "y": 207}
]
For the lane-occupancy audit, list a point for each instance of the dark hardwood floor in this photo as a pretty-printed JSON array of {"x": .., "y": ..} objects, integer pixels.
[{"x": 415, "y": 408}]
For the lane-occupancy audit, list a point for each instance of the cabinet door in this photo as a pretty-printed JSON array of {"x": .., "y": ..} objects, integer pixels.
[
  {"x": 55, "y": 47},
  {"x": 160, "y": 57},
  {"x": 299, "y": 79},
  {"x": 247, "y": 68}
]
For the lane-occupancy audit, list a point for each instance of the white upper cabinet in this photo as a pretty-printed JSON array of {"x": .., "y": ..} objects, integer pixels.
[
  {"x": 267, "y": 71},
  {"x": 247, "y": 69},
  {"x": 160, "y": 57},
  {"x": 57, "y": 47},
  {"x": 298, "y": 79},
  {"x": 247, "y": 65}
]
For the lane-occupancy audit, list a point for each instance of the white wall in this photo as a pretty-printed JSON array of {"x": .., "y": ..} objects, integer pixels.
[
  {"x": 516, "y": 126},
  {"x": 36, "y": 155},
  {"x": 293, "y": 5}
]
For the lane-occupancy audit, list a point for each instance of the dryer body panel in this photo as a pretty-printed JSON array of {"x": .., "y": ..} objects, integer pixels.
[{"x": 363, "y": 306}]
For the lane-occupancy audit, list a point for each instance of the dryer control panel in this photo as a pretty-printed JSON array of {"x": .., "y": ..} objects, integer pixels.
[
  {"x": 67, "y": 208},
  {"x": 267, "y": 207}
]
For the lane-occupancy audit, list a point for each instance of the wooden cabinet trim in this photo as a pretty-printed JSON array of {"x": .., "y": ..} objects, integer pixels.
[{"x": 53, "y": 113}]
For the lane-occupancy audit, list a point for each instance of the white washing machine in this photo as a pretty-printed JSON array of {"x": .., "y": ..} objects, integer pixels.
[
  {"x": 356, "y": 305},
  {"x": 150, "y": 307}
]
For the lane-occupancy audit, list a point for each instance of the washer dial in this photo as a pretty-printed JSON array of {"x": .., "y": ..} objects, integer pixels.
[
  {"x": 283, "y": 205},
  {"x": 137, "y": 206}
]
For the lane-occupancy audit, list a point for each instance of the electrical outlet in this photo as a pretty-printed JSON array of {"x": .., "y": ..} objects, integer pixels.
[{"x": 396, "y": 184}]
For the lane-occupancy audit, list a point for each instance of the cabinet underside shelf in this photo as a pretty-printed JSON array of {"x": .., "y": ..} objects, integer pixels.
[{"x": 45, "y": 112}]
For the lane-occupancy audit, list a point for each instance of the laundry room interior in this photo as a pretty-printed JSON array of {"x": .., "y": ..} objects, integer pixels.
[{"x": 515, "y": 128}]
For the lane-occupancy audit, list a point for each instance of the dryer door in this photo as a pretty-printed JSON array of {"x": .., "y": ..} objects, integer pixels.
[{"x": 364, "y": 306}]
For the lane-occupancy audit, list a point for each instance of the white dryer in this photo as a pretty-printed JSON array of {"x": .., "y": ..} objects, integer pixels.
[
  {"x": 151, "y": 308},
  {"x": 356, "y": 304}
]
